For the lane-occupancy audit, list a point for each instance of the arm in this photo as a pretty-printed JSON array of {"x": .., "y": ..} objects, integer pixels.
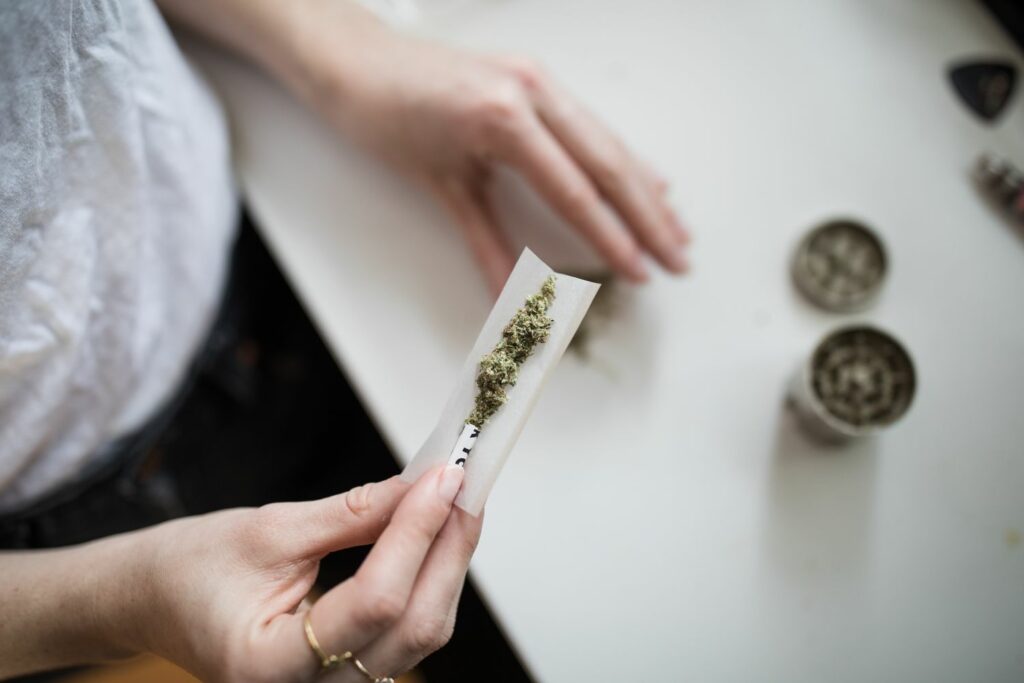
[
  {"x": 69, "y": 606},
  {"x": 223, "y": 595},
  {"x": 446, "y": 117},
  {"x": 306, "y": 44}
]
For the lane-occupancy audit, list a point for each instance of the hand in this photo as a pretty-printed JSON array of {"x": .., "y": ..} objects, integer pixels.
[
  {"x": 447, "y": 116},
  {"x": 228, "y": 588}
]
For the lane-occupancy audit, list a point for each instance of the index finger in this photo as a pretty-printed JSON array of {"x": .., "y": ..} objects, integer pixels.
[
  {"x": 628, "y": 184},
  {"x": 362, "y": 607},
  {"x": 535, "y": 152},
  {"x": 429, "y": 621}
]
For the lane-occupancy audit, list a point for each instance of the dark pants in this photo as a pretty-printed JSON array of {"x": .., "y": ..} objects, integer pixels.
[{"x": 265, "y": 415}]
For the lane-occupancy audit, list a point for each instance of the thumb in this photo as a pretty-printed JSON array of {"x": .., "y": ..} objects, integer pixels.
[{"x": 317, "y": 527}]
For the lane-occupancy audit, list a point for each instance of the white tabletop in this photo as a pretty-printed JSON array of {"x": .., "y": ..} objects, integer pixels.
[{"x": 662, "y": 518}]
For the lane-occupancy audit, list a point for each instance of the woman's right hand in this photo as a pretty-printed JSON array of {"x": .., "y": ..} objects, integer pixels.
[
  {"x": 227, "y": 596},
  {"x": 450, "y": 117}
]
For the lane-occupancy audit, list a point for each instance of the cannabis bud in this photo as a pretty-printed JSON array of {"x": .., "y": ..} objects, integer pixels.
[{"x": 499, "y": 369}]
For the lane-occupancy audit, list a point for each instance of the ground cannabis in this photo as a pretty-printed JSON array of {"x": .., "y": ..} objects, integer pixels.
[{"x": 500, "y": 368}]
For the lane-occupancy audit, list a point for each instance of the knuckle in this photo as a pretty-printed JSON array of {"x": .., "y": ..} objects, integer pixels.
[
  {"x": 380, "y": 609},
  {"x": 580, "y": 199},
  {"x": 271, "y": 514},
  {"x": 502, "y": 106},
  {"x": 611, "y": 165},
  {"x": 386, "y": 608},
  {"x": 608, "y": 174},
  {"x": 357, "y": 500},
  {"x": 421, "y": 524},
  {"x": 499, "y": 111},
  {"x": 421, "y": 530},
  {"x": 266, "y": 519},
  {"x": 427, "y": 635},
  {"x": 528, "y": 72}
]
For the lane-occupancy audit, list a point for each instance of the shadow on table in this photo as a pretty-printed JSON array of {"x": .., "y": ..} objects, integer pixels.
[{"x": 820, "y": 505}]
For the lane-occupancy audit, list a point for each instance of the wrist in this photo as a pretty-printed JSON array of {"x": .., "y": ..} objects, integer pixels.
[
  {"x": 322, "y": 53},
  {"x": 309, "y": 45},
  {"x": 115, "y": 597},
  {"x": 69, "y": 606}
]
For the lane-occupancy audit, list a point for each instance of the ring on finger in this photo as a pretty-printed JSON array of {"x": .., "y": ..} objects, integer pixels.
[
  {"x": 369, "y": 676},
  {"x": 329, "y": 662}
]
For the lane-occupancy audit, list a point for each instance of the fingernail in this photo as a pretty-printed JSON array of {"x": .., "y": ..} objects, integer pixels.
[
  {"x": 636, "y": 270},
  {"x": 682, "y": 234},
  {"x": 677, "y": 262},
  {"x": 451, "y": 480}
]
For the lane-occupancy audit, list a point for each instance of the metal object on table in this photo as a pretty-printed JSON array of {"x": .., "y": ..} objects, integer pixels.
[
  {"x": 1003, "y": 182},
  {"x": 857, "y": 381},
  {"x": 840, "y": 266},
  {"x": 985, "y": 87}
]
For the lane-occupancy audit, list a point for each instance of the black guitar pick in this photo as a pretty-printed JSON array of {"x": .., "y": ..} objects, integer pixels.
[{"x": 985, "y": 87}]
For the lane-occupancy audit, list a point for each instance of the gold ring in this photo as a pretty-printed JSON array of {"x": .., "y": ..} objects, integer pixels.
[
  {"x": 369, "y": 676},
  {"x": 327, "y": 662}
]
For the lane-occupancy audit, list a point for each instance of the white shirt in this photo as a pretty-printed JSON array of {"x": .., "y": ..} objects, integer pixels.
[{"x": 117, "y": 213}]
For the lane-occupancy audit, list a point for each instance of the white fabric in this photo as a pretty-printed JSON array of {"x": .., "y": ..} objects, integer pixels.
[{"x": 117, "y": 213}]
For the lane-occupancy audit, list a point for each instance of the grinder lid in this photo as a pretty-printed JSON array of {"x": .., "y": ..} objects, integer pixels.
[{"x": 840, "y": 266}]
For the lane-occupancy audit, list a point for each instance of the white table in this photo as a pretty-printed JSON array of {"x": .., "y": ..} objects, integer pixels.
[{"x": 662, "y": 518}]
